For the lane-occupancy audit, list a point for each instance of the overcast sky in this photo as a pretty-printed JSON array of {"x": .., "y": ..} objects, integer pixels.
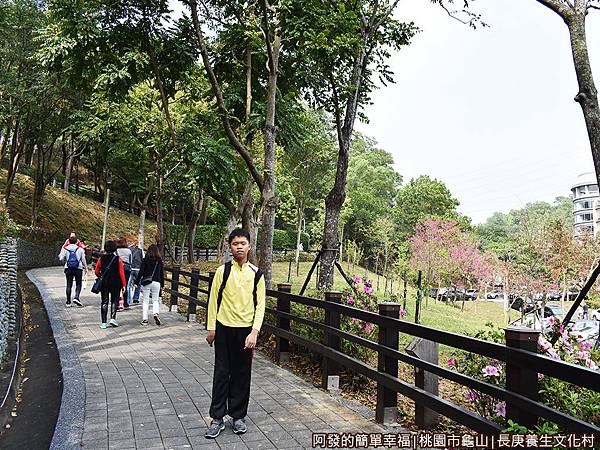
[{"x": 490, "y": 112}]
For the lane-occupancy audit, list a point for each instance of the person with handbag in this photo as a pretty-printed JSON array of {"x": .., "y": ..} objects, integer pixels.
[
  {"x": 151, "y": 278},
  {"x": 111, "y": 280}
]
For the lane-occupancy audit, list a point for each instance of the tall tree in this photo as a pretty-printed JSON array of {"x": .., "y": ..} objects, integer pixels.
[
  {"x": 422, "y": 198},
  {"x": 266, "y": 17},
  {"x": 574, "y": 13},
  {"x": 347, "y": 45}
]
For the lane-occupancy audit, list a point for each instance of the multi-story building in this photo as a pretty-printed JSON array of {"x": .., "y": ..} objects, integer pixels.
[{"x": 586, "y": 204}]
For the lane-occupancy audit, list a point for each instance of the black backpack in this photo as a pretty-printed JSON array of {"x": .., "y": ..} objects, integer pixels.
[{"x": 226, "y": 271}]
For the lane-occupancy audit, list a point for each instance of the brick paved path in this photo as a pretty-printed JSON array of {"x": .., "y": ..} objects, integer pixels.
[{"x": 149, "y": 387}]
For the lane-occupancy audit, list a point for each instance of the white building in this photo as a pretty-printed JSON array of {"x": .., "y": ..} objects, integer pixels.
[{"x": 586, "y": 204}]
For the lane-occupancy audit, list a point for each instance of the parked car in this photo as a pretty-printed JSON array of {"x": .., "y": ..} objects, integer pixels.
[
  {"x": 554, "y": 296},
  {"x": 493, "y": 294},
  {"x": 471, "y": 294},
  {"x": 522, "y": 303},
  {"x": 553, "y": 310},
  {"x": 438, "y": 292},
  {"x": 584, "y": 329},
  {"x": 453, "y": 295},
  {"x": 572, "y": 295}
]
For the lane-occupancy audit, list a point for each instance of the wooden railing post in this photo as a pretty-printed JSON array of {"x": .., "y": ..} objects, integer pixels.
[
  {"x": 282, "y": 346},
  {"x": 520, "y": 379},
  {"x": 330, "y": 369},
  {"x": 425, "y": 350},
  {"x": 174, "y": 287},
  {"x": 195, "y": 280},
  {"x": 386, "y": 410},
  {"x": 211, "y": 277}
]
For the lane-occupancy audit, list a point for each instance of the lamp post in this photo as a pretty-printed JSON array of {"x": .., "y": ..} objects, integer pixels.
[{"x": 106, "y": 206}]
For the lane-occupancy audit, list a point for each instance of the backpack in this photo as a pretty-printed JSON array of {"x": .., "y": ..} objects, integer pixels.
[
  {"x": 126, "y": 264},
  {"x": 226, "y": 271},
  {"x": 73, "y": 260}
]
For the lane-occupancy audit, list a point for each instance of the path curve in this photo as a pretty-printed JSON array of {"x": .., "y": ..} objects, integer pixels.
[{"x": 135, "y": 387}]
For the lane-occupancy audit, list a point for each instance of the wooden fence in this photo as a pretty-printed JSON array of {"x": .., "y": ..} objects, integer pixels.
[{"x": 523, "y": 363}]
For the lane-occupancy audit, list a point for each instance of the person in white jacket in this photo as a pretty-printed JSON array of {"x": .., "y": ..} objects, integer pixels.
[{"x": 74, "y": 258}]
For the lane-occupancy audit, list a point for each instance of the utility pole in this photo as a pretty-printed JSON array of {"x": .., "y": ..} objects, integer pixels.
[{"x": 106, "y": 207}]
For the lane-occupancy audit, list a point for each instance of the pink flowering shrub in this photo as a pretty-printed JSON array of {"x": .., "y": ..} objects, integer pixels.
[
  {"x": 361, "y": 297},
  {"x": 573, "y": 400}
]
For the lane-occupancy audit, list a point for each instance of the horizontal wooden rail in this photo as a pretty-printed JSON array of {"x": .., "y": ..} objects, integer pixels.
[{"x": 329, "y": 349}]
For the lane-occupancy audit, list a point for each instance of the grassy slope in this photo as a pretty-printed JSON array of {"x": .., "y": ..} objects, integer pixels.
[{"x": 62, "y": 212}]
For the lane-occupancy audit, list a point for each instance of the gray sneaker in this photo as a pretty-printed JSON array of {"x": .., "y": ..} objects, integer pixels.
[
  {"x": 216, "y": 426},
  {"x": 239, "y": 426}
]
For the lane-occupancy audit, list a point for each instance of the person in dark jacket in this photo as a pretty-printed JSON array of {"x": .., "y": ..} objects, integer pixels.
[
  {"x": 137, "y": 255},
  {"x": 110, "y": 266},
  {"x": 152, "y": 280}
]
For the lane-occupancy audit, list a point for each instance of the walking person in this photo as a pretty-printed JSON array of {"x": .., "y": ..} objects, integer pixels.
[
  {"x": 235, "y": 314},
  {"x": 137, "y": 255},
  {"x": 110, "y": 267},
  {"x": 125, "y": 254},
  {"x": 152, "y": 279},
  {"x": 75, "y": 263}
]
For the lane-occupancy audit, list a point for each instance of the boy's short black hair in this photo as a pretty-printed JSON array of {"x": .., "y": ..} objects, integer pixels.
[
  {"x": 238, "y": 232},
  {"x": 110, "y": 247}
]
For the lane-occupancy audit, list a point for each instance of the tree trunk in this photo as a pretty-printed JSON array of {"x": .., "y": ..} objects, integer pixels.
[
  {"x": 269, "y": 199},
  {"x": 38, "y": 187},
  {"x": 587, "y": 97},
  {"x": 223, "y": 251},
  {"x": 159, "y": 211},
  {"x": 204, "y": 211},
  {"x": 13, "y": 160},
  {"x": 300, "y": 209},
  {"x": 250, "y": 224},
  {"x": 336, "y": 197},
  {"x": 191, "y": 235},
  {"x": 77, "y": 177},
  {"x": 333, "y": 206},
  {"x": 142, "y": 227},
  {"x": 143, "y": 210},
  {"x": 68, "y": 170},
  {"x": 5, "y": 136}
]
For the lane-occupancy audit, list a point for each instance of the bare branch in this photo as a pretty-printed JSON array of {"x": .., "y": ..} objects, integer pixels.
[
  {"x": 267, "y": 35},
  {"x": 222, "y": 200},
  {"x": 558, "y": 7}
]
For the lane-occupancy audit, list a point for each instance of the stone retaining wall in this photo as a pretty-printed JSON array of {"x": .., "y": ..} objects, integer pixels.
[
  {"x": 8, "y": 293},
  {"x": 31, "y": 256}
]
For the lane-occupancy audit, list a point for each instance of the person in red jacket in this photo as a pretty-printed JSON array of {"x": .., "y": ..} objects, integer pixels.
[
  {"x": 78, "y": 242},
  {"x": 110, "y": 267}
]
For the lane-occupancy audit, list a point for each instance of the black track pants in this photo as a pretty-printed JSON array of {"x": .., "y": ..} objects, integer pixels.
[{"x": 233, "y": 366}]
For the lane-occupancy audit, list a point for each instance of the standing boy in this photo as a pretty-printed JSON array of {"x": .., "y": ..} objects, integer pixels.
[{"x": 235, "y": 314}]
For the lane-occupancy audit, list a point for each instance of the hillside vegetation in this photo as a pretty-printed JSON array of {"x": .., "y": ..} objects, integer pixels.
[{"x": 62, "y": 212}]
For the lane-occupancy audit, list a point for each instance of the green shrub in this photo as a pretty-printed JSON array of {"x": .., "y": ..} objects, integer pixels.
[
  {"x": 8, "y": 228},
  {"x": 286, "y": 239},
  {"x": 209, "y": 236}
]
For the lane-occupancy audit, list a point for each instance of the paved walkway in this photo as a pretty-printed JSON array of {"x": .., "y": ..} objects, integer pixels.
[{"x": 149, "y": 387}]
